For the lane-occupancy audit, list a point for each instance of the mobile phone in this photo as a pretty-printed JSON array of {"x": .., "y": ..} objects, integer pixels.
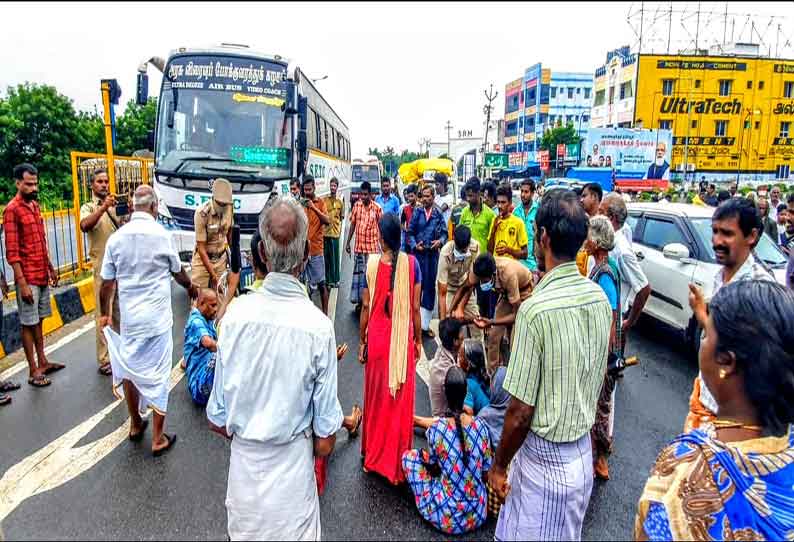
[{"x": 122, "y": 205}]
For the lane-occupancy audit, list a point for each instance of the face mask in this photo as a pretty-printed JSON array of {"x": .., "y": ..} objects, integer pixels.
[
  {"x": 487, "y": 287},
  {"x": 459, "y": 256}
]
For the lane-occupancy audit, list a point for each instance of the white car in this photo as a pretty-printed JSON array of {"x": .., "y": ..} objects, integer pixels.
[{"x": 673, "y": 243}]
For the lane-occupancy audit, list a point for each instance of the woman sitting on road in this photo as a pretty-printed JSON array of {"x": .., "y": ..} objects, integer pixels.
[
  {"x": 733, "y": 479},
  {"x": 472, "y": 361},
  {"x": 447, "y": 479}
]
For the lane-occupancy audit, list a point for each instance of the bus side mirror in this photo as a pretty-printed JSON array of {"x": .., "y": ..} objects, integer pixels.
[
  {"x": 290, "y": 107},
  {"x": 150, "y": 140},
  {"x": 142, "y": 91}
]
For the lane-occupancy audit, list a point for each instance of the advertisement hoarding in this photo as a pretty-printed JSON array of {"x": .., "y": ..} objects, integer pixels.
[{"x": 633, "y": 154}]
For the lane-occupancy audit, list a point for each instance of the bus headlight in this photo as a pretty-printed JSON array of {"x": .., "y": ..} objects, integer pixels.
[{"x": 164, "y": 217}]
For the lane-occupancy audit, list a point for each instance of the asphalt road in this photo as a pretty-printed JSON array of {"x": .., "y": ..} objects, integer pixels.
[{"x": 68, "y": 471}]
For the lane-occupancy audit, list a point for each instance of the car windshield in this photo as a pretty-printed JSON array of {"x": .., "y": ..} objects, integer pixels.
[
  {"x": 222, "y": 116},
  {"x": 766, "y": 250},
  {"x": 365, "y": 173}
]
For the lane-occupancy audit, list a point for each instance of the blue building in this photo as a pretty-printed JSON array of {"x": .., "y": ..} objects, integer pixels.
[{"x": 540, "y": 100}]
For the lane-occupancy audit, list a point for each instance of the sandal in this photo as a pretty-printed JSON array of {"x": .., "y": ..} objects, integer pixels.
[
  {"x": 40, "y": 381},
  {"x": 139, "y": 435},
  {"x": 105, "y": 369},
  {"x": 5, "y": 399},
  {"x": 354, "y": 433},
  {"x": 7, "y": 385},
  {"x": 53, "y": 368},
  {"x": 171, "y": 440}
]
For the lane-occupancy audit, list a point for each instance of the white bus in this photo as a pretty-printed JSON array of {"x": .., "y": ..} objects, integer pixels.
[
  {"x": 252, "y": 118},
  {"x": 367, "y": 169}
]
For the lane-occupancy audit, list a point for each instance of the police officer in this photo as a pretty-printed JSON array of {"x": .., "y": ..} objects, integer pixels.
[
  {"x": 98, "y": 220},
  {"x": 213, "y": 222}
]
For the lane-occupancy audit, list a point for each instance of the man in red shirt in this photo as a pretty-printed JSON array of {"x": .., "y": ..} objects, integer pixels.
[
  {"x": 364, "y": 220},
  {"x": 314, "y": 272},
  {"x": 26, "y": 251}
]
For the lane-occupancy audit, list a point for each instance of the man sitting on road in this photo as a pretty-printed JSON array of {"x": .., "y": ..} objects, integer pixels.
[
  {"x": 508, "y": 236},
  {"x": 201, "y": 347},
  {"x": 513, "y": 284},
  {"x": 140, "y": 261}
]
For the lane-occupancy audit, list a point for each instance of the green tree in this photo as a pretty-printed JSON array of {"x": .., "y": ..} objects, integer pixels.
[
  {"x": 40, "y": 126},
  {"x": 133, "y": 126},
  {"x": 558, "y": 135}
]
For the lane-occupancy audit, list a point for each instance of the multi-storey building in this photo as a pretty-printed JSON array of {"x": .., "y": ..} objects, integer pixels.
[
  {"x": 542, "y": 99},
  {"x": 614, "y": 86}
]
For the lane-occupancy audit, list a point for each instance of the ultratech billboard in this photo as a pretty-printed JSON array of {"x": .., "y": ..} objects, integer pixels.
[{"x": 702, "y": 107}]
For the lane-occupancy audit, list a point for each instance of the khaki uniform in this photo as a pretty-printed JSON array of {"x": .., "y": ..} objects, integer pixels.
[
  {"x": 212, "y": 229},
  {"x": 514, "y": 284},
  {"x": 454, "y": 275},
  {"x": 97, "y": 239}
]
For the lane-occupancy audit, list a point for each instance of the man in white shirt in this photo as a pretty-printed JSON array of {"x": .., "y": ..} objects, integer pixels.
[
  {"x": 140, "y": 261},
  {"x": 275, "y": 390},
  {"x": 632, "y": 278},
  {"x": 736, "y": 227}
]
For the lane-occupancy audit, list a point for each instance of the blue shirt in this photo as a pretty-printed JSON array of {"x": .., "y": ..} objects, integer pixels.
[
  {"x": 200, "y": 361},
  {"x": 529, "y": 225},
  {"x": 389, "y": 205},
  {"x": 427, "y": 230},
  {"x": 608, "y": 285},
  {"x": 476, "y": 398}
]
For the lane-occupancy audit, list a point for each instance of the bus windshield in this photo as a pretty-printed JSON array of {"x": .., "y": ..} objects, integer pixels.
[
  {"x": 222, "y": 116},
  {"x": 362, "y": 173}
]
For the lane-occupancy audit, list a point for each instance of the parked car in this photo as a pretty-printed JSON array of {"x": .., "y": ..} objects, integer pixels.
[{"x": 673, "y": 243}]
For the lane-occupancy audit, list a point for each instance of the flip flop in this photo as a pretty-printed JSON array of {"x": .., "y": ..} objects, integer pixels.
[
  {"x": 54, "y": 368},
  {"x": 105, "y": 369},
  {"x": 354, "y": 432},
  {"x": 39, "y": 381},
  {"x": 7, "y": 386},
  {"x": 5, "y": 399},
  {"x": 137, "y": 437},
  {"x": 171, "y": 440}
]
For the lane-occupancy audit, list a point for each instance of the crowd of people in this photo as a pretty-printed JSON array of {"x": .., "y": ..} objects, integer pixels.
[{"x": 535, "y": 303}]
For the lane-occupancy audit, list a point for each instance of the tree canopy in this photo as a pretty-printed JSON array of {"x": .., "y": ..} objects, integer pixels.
[{"x": 558, "y": 135}]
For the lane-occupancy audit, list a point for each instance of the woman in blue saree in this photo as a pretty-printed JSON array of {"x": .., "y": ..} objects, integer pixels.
[{"x": 733, "y": 479}]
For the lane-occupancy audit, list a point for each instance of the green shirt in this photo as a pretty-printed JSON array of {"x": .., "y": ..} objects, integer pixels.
[
  {"x": 559, "y": 354},
  {"x": 479, "y": 225},
  {"x": 529, "y": 225}
]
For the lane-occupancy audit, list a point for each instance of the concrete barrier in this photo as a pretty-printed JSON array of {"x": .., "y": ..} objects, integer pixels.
[{"x": 68, "y": 304}]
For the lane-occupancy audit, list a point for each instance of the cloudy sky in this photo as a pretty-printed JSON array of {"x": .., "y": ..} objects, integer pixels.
[{"x": 396, "y": 72}]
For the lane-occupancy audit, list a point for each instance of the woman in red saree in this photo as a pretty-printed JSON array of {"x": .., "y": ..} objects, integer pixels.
[{"x": 391, "y": 342}]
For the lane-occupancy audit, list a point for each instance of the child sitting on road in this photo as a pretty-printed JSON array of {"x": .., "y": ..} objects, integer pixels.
[{"x": 201, "y": 347}]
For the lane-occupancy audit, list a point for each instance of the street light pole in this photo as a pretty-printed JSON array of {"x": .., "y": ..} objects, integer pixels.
[{"x": 448, "y": 127}]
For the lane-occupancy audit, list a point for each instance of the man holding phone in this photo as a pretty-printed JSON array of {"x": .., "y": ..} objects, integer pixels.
[{"x": 98, "y": 219}]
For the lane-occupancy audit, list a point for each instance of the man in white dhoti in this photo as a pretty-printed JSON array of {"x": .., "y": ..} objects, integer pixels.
[
  {"x": 274, "y": 393},
  {"x": 140, "y": 260}
]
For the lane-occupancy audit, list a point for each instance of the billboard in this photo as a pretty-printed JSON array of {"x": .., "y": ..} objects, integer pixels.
[{"x": 632, "y": 154}]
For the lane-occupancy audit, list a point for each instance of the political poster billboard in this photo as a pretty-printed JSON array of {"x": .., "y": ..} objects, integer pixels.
[{"x": 632, "y": 154}]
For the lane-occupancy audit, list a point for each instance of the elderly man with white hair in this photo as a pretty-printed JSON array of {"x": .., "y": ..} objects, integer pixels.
[
  {"x": 275, "y": 390},
  {"x": 140, "y": 260}
]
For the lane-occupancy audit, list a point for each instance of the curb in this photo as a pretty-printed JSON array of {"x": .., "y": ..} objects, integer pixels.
[{"x": 68, "y": 305}]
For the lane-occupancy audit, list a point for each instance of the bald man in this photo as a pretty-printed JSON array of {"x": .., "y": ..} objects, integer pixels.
[
  {"x": 140, "y": 262},
  {"x": 201, "y": 346}
]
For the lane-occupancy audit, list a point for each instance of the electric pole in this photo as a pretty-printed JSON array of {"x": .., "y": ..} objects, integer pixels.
[
  {"x": 448, "y": 128},
  {"x": 490, "y": 95}
]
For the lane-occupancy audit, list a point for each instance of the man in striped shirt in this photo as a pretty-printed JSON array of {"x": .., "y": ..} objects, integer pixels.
[{"x": 557, "y": 365}]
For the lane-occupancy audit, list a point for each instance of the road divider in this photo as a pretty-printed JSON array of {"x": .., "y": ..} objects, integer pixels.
[{"x": 68, "y": 304}]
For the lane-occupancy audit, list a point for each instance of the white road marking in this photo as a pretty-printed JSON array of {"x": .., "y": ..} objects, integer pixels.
[
  {"x": 59, "y": 461},
  {"x": 63, "y": 341}
]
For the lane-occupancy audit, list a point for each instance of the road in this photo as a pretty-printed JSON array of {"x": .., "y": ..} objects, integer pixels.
[{"x": 68, "y": 471}]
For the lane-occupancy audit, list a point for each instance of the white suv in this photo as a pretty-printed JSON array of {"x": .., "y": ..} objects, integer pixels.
[{"x": 673, "y": 243}]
